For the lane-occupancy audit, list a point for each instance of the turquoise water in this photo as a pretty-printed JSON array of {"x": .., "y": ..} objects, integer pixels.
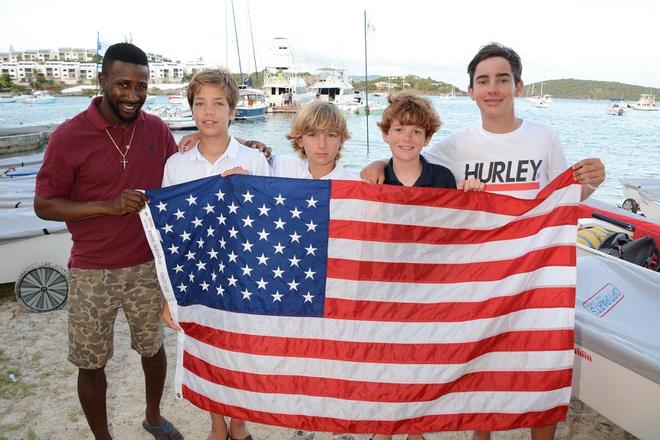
[{"x": 628, "y": 145}]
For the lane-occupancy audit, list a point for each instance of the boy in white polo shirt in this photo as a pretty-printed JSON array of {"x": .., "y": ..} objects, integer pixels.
[{"x": 212, "y": 95}]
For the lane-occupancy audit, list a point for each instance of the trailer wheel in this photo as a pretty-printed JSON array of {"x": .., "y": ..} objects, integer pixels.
[
  {"x": 42, "y": 287},
  {"x": 630, "y": 205}
]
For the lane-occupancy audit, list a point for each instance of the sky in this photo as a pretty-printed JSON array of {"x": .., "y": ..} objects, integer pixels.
[{"x": 584, "y": 39}]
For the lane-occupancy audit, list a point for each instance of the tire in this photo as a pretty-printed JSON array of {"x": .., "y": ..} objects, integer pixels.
[
  {"x": 630, "y": 205},
  {"x": 42, "y": 287}
]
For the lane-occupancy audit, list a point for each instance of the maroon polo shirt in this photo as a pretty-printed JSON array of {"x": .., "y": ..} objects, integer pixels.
[{"x": 82, "y": 164}]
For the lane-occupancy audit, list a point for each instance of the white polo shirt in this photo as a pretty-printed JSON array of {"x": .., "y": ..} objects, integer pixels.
[
  {"x": 192, "y": 165},
  {"x": 296, "y": 167}
]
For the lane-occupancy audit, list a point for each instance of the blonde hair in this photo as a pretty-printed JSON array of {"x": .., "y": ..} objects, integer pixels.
[
  {"x": 214, "y": 77},
  {"x": 409, "y": 109},
  {"x": 317, "y": 117}
]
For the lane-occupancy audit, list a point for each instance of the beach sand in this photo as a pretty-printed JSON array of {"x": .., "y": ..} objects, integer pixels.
[{"x": 42, "y": 403}]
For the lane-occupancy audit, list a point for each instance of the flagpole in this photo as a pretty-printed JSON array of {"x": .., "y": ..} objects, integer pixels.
[{"x": 366, "y": 81}]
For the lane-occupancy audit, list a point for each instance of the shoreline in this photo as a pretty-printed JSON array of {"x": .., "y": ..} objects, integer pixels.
[{"x": 42, "y": 402}]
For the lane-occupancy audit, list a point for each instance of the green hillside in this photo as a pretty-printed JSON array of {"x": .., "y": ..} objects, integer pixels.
[
  {"x": 586, "y": 89},
  {"x": 427, "y": 86}
]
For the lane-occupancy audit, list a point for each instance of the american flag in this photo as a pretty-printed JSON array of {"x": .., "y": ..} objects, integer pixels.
[{"x": 345, "y": 307}]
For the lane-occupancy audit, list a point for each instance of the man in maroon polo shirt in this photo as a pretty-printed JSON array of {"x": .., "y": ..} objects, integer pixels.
[{"x": 92, "y": 169}]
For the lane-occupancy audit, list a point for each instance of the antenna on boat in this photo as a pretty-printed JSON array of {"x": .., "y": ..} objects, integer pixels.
[
  {"x": 366, "y": 81},
  {"x": 238, "y": 49}
]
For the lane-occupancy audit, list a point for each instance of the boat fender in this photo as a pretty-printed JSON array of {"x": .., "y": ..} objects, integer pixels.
[{"x": 592, "y": 236}]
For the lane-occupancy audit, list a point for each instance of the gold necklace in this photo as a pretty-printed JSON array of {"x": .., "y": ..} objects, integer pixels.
[{"x": 128, "y": 147}]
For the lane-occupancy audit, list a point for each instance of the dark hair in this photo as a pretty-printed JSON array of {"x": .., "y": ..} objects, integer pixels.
[
  {"x": 496, "y": 50},
  {"x": 126, "y": 52}
]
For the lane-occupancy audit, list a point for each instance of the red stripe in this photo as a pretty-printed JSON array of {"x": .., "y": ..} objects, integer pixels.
[
  {"x": 431, "y": 423},
  {"x": 377, "y": 391},
  {"x": 392, "y": 233},
  {"x": 450, "y": 273},
  {"x": 418, "y": 353},
  {"x": 544, "y": 297},
  {"x": 526, "y": 186},
  {"x": 445, "y": 198}
]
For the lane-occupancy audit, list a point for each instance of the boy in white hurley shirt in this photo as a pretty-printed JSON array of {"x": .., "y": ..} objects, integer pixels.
[{"x": 212, "y": 95}]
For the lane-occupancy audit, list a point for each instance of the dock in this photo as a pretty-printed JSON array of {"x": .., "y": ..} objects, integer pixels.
[
  {"x": 284, "y": 109},
  {"x": 17, "y": 139}
]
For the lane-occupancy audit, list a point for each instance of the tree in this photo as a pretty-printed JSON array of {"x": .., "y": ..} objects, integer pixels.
[{"x": 6, "y": 82}]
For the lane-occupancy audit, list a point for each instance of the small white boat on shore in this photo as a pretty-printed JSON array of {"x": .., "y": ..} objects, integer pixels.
[
  {"x": 7, "y": 99},
  {"x": 646, "y": 195},
  {"x": 40, "y": 97},
  {"x": 617, "y": 362}
]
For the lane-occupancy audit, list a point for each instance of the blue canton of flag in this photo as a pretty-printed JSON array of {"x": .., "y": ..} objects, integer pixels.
[{"x": 238, "y": 244}]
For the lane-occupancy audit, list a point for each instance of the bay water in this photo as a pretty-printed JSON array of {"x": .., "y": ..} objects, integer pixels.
[{"x": 628, "y": 145}]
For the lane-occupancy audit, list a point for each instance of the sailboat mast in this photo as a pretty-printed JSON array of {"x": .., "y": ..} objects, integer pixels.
[
  {"x": 254, "y": 55},
  {"x": 366, "y": 80},
  {"x": 238, "y": 49}
]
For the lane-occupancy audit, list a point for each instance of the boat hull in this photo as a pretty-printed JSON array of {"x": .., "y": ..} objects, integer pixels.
[{"x": 250, "y": 113}]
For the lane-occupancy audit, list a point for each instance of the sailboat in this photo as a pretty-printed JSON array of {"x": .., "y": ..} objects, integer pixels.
[
  {"x": 451, "y": 95},
  {"x": 252, "y": 102}
]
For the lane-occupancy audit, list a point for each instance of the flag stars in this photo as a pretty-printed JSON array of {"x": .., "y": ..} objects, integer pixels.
[
  {"x": 197, "y": 222},
  {"x": 311, "y": 202},
  {"x": 220, "y": 291},
  {"x": 311, "y": 226},
  {"x": 247, "y": 246},
  {"x": 200, "y": 243},
  {"x": 247, "y": 222},
  {"x": 208, "y": 208},
  {"x": 182, "y": 288},
  {"x": 277, "y": 273},
  {"x": 293, "y": 285},
  {"x": 277, "y": 296},
  {"x": 185, "y": 236},
  {"x": 222, "y": 242},
  {"x": 190, "y": 255},
  {"x": 263, "y": 210},
  {"x": 173, "y": 249},
  {"x": 220, "y": 195},
  {"x": 161, "y": 206},
  {"x": 311, "y": 250},
  {"x": 179, "y": 214},
  {"x": 232, "y": 232},
  {"x": 247, "y": 294},
  {"x": 232, "y": 257},
  {"x": 309, "y": 273},
  {"x": 279, "y": 224},
  {"x": 247, "y": 270},
  {"x": 294, "y": 261},
  {"x": 263, "y": 235},
  {"x": 201, "y": 265},
  {"x": 178, "y": 268},
  {"x": 233, "y": 208},
  {"x": 204, "y": 286},
  {"x": 279, "y": 249},
  {"x": 263, "y": 259},
  {"x": 221, "y": 267},
  {"x": 308, "y": 297},
  {"x": 231, "y": 281},
  {"x": 295, "y": 238},
  {"x": 213, "y": 254},
  {"x": 191, "y": 200},
  {"x": 214, "y": 276},
  {"x": 210, "y": 231},
  {"x": 221, "y": 219},
  {"x": 261, "y": 284},
  {"x": 279, "y": 200},
  {"x": 295, "y": 213},
  {"x": 191, "y": 277},
  {"x": 247, "y": 197},
  {"x": 167, "y": 228}
]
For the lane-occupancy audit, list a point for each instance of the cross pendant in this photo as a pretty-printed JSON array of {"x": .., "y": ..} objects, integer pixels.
[{"x": 124, "y": 162}]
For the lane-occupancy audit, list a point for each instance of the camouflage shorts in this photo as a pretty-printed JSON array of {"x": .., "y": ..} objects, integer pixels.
[{"x": 94, "y": 298}]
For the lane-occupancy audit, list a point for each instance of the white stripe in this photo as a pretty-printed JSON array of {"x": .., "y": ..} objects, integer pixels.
[
  {"x": 379, "y": 251},
  {"x": 378, "y": 372},
  {"x": 453, "y": 403},
  {"x": 372, "y": 331},
  {"x": 391, "y": 213},
  {"x": 463, "y": 292}
]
